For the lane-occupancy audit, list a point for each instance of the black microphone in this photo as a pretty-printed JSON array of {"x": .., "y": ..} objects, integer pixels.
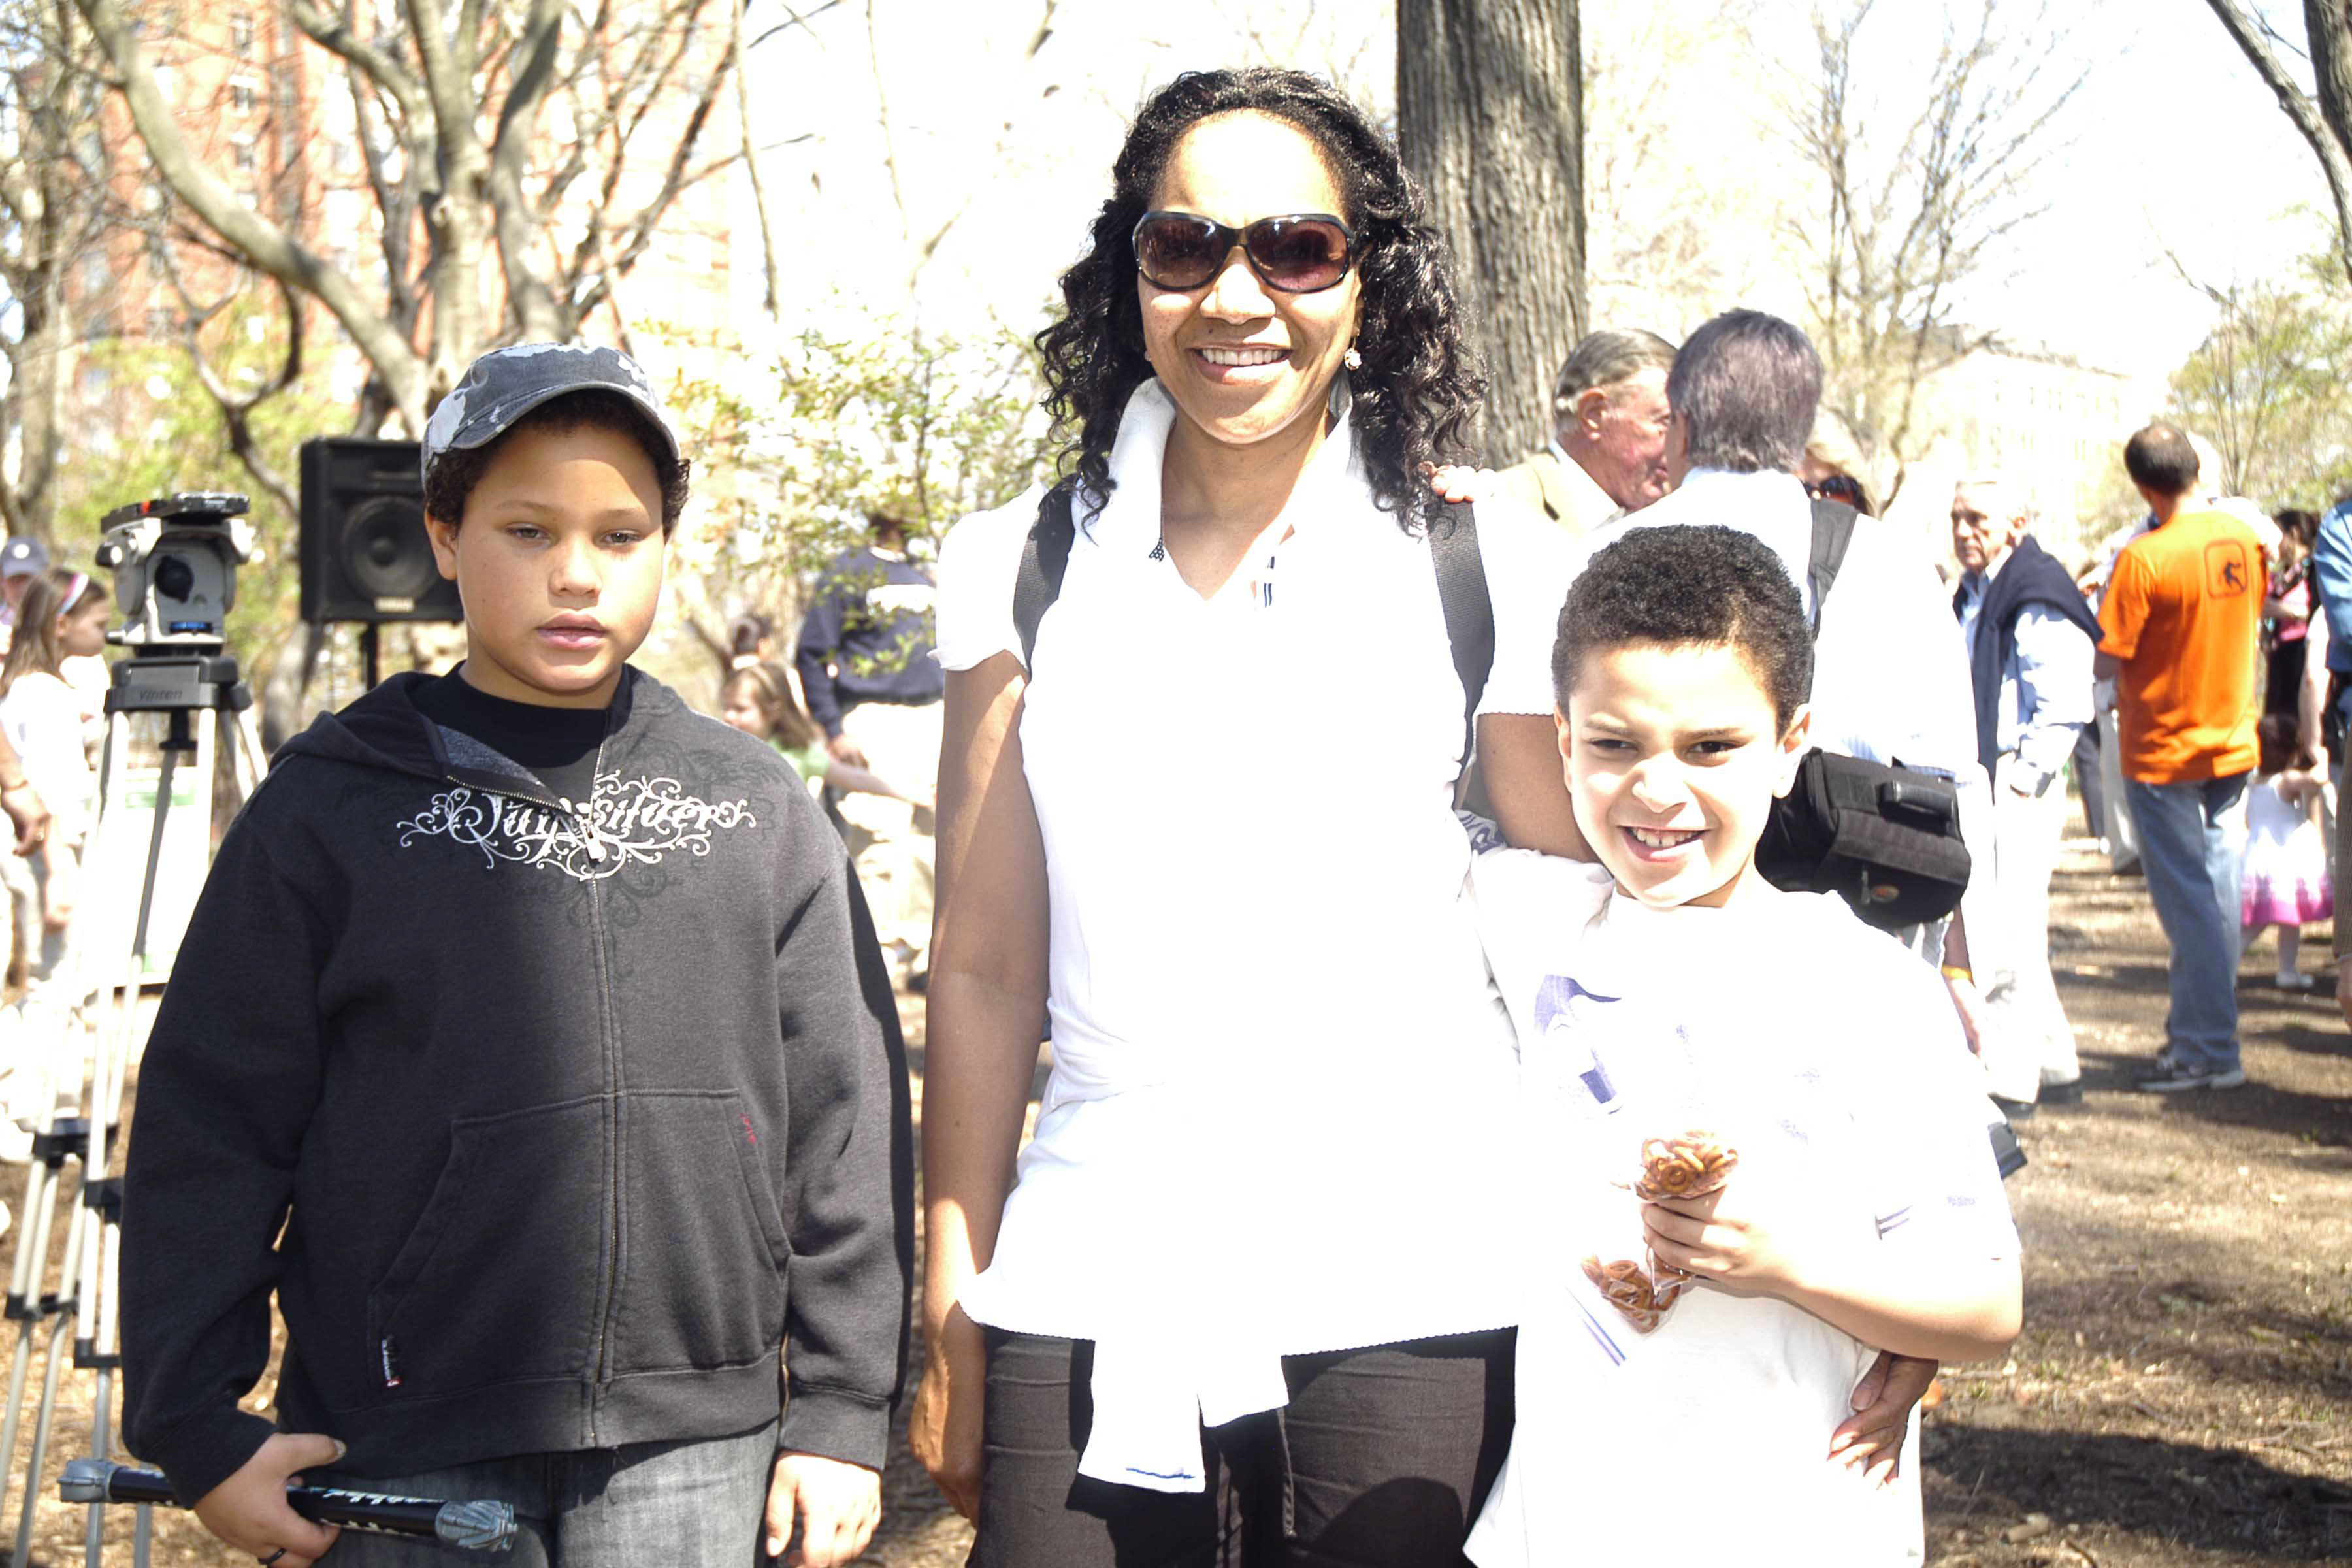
[{"x": 480, "y": 1526}]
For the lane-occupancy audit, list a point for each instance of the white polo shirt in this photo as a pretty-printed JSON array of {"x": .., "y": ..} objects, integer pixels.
[{"x": 1278, "y": 1064}]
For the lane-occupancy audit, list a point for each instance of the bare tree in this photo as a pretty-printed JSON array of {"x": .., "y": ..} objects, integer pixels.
[
  {"x": 53, "y": 177},
  {"x": 449, "y": 105},
  {"x": 890, "y": 415},
  {"x": 1668, "y": 236},
  {"x": 1490, "y": 115},
  {"x": 1903, "y": 223},
  {"x": 236, "y": 399},
  {"x": 2265, "y": 386},
  {"x": 2325, "y": 116}
]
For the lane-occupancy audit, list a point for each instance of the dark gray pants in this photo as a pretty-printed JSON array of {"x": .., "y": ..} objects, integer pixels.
[
  {"x": 696, "y": 1503},
  {"x": 1381, "y": 1459}
]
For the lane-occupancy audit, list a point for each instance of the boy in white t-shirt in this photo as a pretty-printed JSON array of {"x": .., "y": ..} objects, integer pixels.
[{"x": 1671, "y": 989}]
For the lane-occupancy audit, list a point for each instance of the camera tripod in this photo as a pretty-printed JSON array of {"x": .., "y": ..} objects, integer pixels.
[{"x": 86, "y": 1299}]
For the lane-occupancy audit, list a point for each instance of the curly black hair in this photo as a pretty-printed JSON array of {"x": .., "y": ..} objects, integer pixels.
[
  {"x": 1417, "y": 396},
  {"x": 457, "y": 471},
  {"x": 1678, "y": 584}
]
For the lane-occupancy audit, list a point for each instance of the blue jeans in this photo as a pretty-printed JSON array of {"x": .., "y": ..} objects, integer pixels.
[
  {"x": 695, "y": 1503},
  {"x": 2192, "y": 835}
]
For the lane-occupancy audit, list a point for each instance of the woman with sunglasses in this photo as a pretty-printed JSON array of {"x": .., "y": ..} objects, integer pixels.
[{"x": 1248, "y": 1292}]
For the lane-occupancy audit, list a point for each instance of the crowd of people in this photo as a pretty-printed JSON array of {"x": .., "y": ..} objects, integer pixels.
[{"x": 1439, "y": 1086}]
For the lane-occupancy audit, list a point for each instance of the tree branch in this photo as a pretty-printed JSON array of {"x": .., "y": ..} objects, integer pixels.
[
  {"x": 772, "y": 301},
  {"x": 236, "y": 407},
  {"x": 263, "y": 243},
  {"x": 543, "y": 317},
  {"x": 2325, "y": 143}
]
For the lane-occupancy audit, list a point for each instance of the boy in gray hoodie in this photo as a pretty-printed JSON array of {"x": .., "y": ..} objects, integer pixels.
[{"x": 531, "y": 1043}]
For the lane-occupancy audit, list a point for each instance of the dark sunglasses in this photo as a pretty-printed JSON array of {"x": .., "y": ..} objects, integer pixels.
[
  {"x": 1303, "y": 253},
  {"x": 1837, "y": 488}
]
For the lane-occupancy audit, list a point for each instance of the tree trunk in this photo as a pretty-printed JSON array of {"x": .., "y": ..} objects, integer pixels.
[
  {"x": 1490, "y": 116},
  {"x": 40, "y": 367},
  {"x": 2329, "y": 25}
]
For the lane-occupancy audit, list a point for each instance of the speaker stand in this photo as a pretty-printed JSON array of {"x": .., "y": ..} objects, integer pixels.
[{"x": 370, "y": 657}]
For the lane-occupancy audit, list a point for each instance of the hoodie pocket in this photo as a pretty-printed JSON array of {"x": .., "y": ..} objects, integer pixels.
[
  {"x": 702, "y": 1241},
  {"x": 497, "y": 1280}
]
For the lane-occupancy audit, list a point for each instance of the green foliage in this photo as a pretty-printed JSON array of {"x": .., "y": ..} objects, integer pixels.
[
  {"x": 2265, "y": 387},
  {"x": 864, "y": 414}
]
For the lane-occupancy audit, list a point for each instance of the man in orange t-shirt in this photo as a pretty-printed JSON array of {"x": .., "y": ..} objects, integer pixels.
[{"x": 2179, "y": 628}]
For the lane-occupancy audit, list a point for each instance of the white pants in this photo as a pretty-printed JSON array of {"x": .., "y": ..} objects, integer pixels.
[
  {"x": 2028, "y": 1041},
  {"x": 891, "y": 840}
]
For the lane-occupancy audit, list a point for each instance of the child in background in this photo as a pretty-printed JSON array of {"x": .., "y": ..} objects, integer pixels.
[
  {"x": 61, "y": 616},
  {"x": 2287, "y": 882},
  {"x": 758, "y": 699},
  {"x": 1671, "y": 990}
]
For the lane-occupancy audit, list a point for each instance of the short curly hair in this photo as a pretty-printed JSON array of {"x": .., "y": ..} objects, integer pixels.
[
  {"x": 457, "y": 471},
  {"x": 1417, "y": 395},
  {"x": 1675, "y": 585}
]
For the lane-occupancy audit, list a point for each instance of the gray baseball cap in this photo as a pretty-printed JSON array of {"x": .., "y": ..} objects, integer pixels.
[
  {"x": 23, "y": 558},
  {"x": 506, "y": 384}
]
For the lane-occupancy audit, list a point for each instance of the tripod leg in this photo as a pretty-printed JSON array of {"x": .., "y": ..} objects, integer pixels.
[
  {"x": 40, "y": 1441},
  {"x": 41, "y": 1186},
  {"x": 76, "y": 1235},
  {"x": 102, "y": 1443},
  {"x": 250, "y": 762},
  {"x": 101, "y": 1250}
]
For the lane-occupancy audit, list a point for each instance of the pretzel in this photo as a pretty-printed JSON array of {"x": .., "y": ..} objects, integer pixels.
[
  {"x": 1628, "y": 1287},
  {"x": 1687, "y": 1167}
]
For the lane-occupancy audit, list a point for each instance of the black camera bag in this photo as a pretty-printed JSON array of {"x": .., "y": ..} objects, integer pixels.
[{"x": 1887, "y": 839}]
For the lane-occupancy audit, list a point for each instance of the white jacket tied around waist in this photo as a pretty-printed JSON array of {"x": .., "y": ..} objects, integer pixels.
[{"x": 1279, "y": 1066}]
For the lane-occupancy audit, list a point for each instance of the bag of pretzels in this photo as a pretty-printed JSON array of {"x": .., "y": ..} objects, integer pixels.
[
  {"x": 1629, "y": 1276},
  {"x": 1644, "y": 1110}
]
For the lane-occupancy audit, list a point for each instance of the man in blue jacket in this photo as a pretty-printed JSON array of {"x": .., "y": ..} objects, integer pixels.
[
  {"x": 2331, "y": 579},
  {"x": 2030, "y": 640},
  {"x": 865, "y": 666}
]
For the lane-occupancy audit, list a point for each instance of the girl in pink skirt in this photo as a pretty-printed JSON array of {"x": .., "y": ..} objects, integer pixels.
[{"x": 2286, "y": 879}]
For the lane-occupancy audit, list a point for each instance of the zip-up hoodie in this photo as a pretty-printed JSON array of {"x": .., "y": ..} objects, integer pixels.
[{"x": 574, "y": 1113}]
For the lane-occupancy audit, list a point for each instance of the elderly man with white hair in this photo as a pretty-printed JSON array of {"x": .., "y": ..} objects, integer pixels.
[
  {"x": 1608, "y": 451},
  {"x": 2030, "y": 638}
]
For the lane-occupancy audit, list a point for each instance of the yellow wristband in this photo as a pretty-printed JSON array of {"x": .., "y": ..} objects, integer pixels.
[{"x": 1958, "y": 972}]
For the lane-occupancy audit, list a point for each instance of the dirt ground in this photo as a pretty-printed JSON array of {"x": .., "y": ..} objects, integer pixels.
[{"x": 2182, "y": 1392}]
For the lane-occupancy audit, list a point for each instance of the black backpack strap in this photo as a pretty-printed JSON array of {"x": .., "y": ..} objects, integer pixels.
[
  {"x": 1469, "y": 612},
  {"x": 1832, "y": 532},
  {"x": 1044, "y": 556}
]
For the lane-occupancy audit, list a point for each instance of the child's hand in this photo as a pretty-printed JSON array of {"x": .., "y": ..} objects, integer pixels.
[
  {"x": 837, "y": 1504},
  {"x": 250, "y": 1510},
  {"x": 1459, "y": 481},
  {"x": 1748, "y": 1233}
]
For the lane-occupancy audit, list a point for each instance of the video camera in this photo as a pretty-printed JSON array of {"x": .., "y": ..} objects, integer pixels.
[{"x": 175, "y": 561}]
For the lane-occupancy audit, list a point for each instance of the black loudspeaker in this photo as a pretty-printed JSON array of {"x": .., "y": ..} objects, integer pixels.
[{"x": 365, "y": 553}]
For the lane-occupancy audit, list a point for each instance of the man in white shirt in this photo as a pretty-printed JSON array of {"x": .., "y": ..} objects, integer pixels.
[
  {"x": 1889, "y": 682},
  {"x": 1607, "y": 455},
  {"x": 2030, "y": 638}
]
